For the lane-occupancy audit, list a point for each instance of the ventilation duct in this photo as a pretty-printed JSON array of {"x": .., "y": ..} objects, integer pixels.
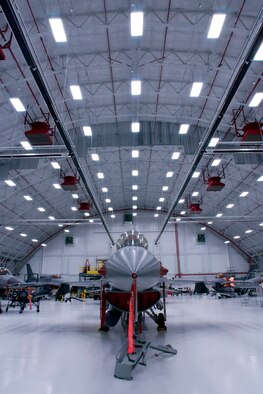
[
  {"x": 214, "y": 184},
  {"x": 40, "y": 134},
  {"x": 252, "y": 132},
  {"x": 194, "y": 208},
  {"x": 85, "y": 206},
  {"x": 70, "y": 183}
]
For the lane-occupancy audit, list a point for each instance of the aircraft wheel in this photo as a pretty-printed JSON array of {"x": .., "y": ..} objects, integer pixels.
[{"x": 38, "y": 310}]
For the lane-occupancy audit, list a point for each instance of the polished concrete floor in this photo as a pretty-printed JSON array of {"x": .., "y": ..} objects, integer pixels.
[{"x": 60, "y": 351}]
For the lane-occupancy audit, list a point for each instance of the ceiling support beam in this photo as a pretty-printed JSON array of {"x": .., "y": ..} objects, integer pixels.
[
  {"x": 12, "y": 19},
  {"x": 239, "y": 72}
]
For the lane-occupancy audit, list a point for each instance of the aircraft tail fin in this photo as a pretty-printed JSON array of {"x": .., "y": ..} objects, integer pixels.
[{"x": 30, "y": 274}]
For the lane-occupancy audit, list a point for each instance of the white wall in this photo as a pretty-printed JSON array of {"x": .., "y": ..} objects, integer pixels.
[{"x": 92, "y": 242}]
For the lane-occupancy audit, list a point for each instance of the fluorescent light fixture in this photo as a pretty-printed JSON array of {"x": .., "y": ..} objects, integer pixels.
[
  {"x": 178, "y": 219},
  {"x": 184, "y": 128},
  {"x": 41, "y": 209},
  {"x": 110, "y": 209},
  {"x": 17, "y": 104},
  {"x": 230, "y": 205},
  {"x": 236, "y": 237},
  {"x": 9, "y": 228},
  {"x": 259, "y": 54},
  {"x": 134, "y": 207},
  {"x": 134, "y": 198},
  {"x": 219, "y": 215},
  {"x": 196, "y": 174},
  {"x": 209, "y": 222},
  {"x": 91, "y": 220},
  {"x": 74, "y": 208},
  {"x": 76, "y": 92},
  {"x": 136, "y": 87},
  {"x": 165, "y": 188},
  {"x": 156, "y": 215},
  {"x": 182, "y": 213},
  {"x": 112, "y": 216},
  {"x": 87, "y": 132},
  {"x": 55, "y": 165},
  {"x": 86, "y": 214},
  {"x": 23, "y": 235},
  {"x": 51, "y": 218},
  {"x": 243, "y": 194},
  {"x": 260, "y": 224},
  {"x": 213, "y": 142},
  {"x": 28, "y": 198},
  {"x": 216, "y": 25},
  {"x": 34, "y": 240},
  {"x": 74, "y": 195},
  {"x": 26, "y": 145},
  {"x": 134, "y": 214},
  {"x": 161, "y": 199},
  {"x": 57, "y": 28},
  {"x": 60, "y": 225},
  {"x": 194, "y": 194},
  {"x": 134, "y": 187},
  {"x": 256, "y": 99},
  {"x": 104, "y": 190},
  {"x": 135, "y": 172},
  {"x": 248, "y": 231},
  {"x": 136, "y": 24},
  {"x": 158, "y": 208},
  {"x": 196, "y": 89},
  {"x": 95, "y": 156},
  {"x": 44, "y": 245},
  {"x": 135, "y": 127},
  {"x": 107, "y": 200},
  {"x": 169, "y": 174},
  {"x": 203, "y": 228},
  {"x": 215, "y": 162},
  {"x": 175, "y": 155},
  {"x": 100, "y": 175},
  {"x": 9, "y": 182},
  {"x": 66, "y": 231},
  {"x": 56, "y": 186},
  {"x": 181, "y": 201},
  {"x": 135, "y": 153},
  {"x": 260, "y": 179},
  {"x": 227, "y": 242}
]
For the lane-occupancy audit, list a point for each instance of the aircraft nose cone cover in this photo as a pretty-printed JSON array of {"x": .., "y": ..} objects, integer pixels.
[{"x": 128, "y": 260}]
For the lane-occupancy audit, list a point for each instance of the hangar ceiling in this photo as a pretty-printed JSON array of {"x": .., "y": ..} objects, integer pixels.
[{"x": 100, "y": 56}]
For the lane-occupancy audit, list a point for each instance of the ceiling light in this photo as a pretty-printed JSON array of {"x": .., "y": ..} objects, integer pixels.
[
  {"x": 66, "y": 231},
  {"x": 156, "y": 215},
  {"x": 196, "y": 174},
  {"x": 216, "y": 25},
  {"x": 87, "y": 132},
  {"x": 60, "y": 225},
  {"x": 95, "y": 156},
  {"x": 34, "y": 240},
  {"x": 196, "y": 89},
  {"x": 23, "y": 235},
  {"x": 259, "y": 54},
  {"x": 134, "y": 214},
  {"x": 28, "y": 198},
  {"x": 260, "y": 179},
  {"x": 107, "y": 200},
  {"x": 136, "y": 24},
  {"x": 219, "y": 215},
  {"x": 135, "y": 127},
  {"x": 135, "y": 172},
  {"x": 86, "y": 214},
  {"x": 17, "y": 104},
  {"x": 175, "y": 155},
  {"x": 41, "y": 209},
  {"x": 110, "y": 209},
  {"x": 203, "y": 228},
  {"x": 91, "y": 220},
  {"x": 56, "y": 186},
  {"x": 73, "y": 208},
  {"x": 134, "y": 187},
  {"x": 112, "y": 216},
  {"x": 243, "y": 194},
  {"x": 215, "y": 162},
  {"x": 134, "y": 207},
  {"x": 213, "y": 142},
  {"x": 178, "y": 219},
  {"x": 227, "y": 242},
  {"x": 76, "y": 92},
  {"x": 44, "y": 245},
  {"x": 134, "y": 198},
  {"x": 194, "y": 194},
  {"x": 169, "y": 174},
  {"x": 158, "y": 208},
  {"x": 9, "y": 228},
  {"x": 51, "y": 218},
  {"x": 230, "y": 205},
  {"x": 181, "y": 201},
  {"x": 9, "y": 182},
  {"x": 209, "y": 222},
  {"x": 161, "y": 199},
  {"x": 26, "y": 145},
  {"x": 184, "y": 128},
  {"x": 136, "y": 87},
  {"x": 165, "y": 188},
  {"x": 260, "y": 224},
  {"x": 182, "y": 213},
  {"x": 236, "y": 237},
  {"x": 135, "y": 153},
  {"x": 248, "y": 231},
  {"x": 256, "y": 100},
  {"x": 57, "y": 28},
  {"x": 55, "y": 165},
  {"x": 100, "y": 175},
  {"x": 104, "y": 190},
  {"x": 74, "y": 195}
]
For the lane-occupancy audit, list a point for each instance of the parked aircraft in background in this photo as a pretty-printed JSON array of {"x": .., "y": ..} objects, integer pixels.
[{"x": 44, "y": 278}]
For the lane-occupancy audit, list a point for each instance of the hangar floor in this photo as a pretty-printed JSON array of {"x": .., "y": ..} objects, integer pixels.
[{"x": 59, "y": 350}]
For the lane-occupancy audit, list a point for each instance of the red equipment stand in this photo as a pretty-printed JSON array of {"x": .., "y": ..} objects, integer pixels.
[{"x": 103, "y": 326}]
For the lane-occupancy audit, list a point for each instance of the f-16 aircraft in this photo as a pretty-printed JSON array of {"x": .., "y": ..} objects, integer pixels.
[{"x": 44, "y": 278}]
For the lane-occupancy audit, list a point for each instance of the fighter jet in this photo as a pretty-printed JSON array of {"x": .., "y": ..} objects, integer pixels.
[{"x": 54, "y": 279}]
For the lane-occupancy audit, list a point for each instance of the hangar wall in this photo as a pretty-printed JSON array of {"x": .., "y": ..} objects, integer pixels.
[{"x": 91, "y": 241}]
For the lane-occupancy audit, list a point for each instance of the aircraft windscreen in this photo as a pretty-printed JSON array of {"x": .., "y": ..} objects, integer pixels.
[{"x": 4, "y": 271}]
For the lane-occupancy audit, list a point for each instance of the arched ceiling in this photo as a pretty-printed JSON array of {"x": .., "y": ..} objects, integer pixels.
[{"x": 102, "y": 58}]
